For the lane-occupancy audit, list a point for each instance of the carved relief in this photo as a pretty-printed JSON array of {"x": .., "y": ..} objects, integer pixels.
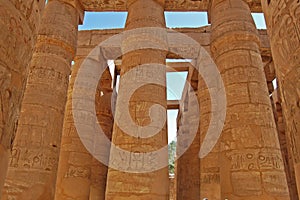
[
  {"x": 135, "y": 161},
  {"x": 76, "y": 171},
  {"x": 32, "y": 159},
  {"x": 210, "y": 178},
  {"x": 277, "y": 13},
  {"x": 288, "y": 41},
  {"x": 255, "y": 160}
]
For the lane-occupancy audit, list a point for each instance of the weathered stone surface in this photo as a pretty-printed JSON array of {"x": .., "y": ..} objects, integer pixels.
[
  {"x": 172, "y": 188},
  {"x": 252, "y": 165},
  {"x": 19, "y": 24},
  {"x": 283, "y": 25},
  {"x": 188, "y": 164},
  {"x": 209, "y": 165},
  {"x": 33, "y": 163},
  {"x": 86, "y": 177},
  {"x": 154, "y": 184},
  {"x": 288, "y": 161},
  {"x": 246, "y": 163},
  {"x": 87, "y": 40},
  {"x": 170, "y": 5}
]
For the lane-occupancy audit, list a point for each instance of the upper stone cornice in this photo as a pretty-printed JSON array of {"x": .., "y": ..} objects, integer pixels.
[{"x": 170, "y": 5}]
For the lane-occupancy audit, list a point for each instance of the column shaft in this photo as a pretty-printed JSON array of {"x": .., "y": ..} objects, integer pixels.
[
  {"x": 81, "y": 176},
  {"x": 33, "y": 164},
  {"x": 209, "y": 165},
  {"x": 19, "y": 24},
  {"x": 252, "y": 165},
  {"x": 283, "y": 23},
  {"x": 154, "y": 184},
  {"x": 188, "y": 164}
]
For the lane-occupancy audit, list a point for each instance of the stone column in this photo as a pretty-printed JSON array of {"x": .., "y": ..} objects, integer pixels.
[
  {"x": 188, "y": 164},
  {"x": 19, "y": 24},
  {"x": 153, "y": 184},
  {"x": 252, "y": 165},
  {"x": 210, "y": 187},
  {"x": 105, "y": 120},
  {"x": 80, "y": 175},
  {"x": 33, "y": 164},
  {"x": 283, "y": 23}
]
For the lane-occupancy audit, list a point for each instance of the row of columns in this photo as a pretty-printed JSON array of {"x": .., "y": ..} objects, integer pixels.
[
  {"x": 246, "y": 163},
  {"x": 248, "y": 150}
]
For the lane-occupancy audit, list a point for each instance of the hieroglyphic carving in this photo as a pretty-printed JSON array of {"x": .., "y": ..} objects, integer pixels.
[
  {"x": 210, "y": 178},
  {"x": 254, "y": 160},
  {"x": 129, "y": 161},
  {"x": 77, "y": 171},
  {"x": 288, "y": 38},
  {"x": 105, "y": 5},
  {"x": 33, "y": 159},
  {"x": 186, "y": 4}
]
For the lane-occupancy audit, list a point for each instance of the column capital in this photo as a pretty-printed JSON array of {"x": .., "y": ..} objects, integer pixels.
[{"x": 77, "y": 5}]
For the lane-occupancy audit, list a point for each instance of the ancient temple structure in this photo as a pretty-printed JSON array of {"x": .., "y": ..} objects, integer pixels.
[{"x": 83, "y": 113}]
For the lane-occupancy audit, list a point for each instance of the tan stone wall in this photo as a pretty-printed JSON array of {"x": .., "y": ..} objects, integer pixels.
[{"x": 19, "y": 24}]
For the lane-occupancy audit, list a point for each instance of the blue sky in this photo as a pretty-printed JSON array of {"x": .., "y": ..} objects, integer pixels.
[
  {"x": 175, "y": 81},
  {"x": 108, "y": 20}
]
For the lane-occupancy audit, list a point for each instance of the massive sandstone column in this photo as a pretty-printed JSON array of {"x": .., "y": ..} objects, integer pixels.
[
  {"x": 188, "y": 164},
  {"x": 252, "y": 166},
  {"x": 104, "y": 108},
  {"x": 153, "y": 184},
  {"x": 283, "y": 23},
  {"x": 80, "y": 175},
  {"x": 19, "y": 22},
  {"x": 210, "y": 164},
  {"x": 33, "y": 164}
]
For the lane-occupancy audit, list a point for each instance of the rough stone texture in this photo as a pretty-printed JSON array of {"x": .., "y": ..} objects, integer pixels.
[
  {"x": 252, "y": 165},
  {"x": 188, "y": 164},
  {"x": 283, "y": 25},
  {"x": 154, "y": 184},
  {"x": 80, "y": 175},
  {"x": 172, "y": 188},
  {"x": 246, "y": 163},
  {"x": 210, "y": 164},
  {"x": 170, "y": 5},
  {"x": 33, "y": 164},
  {"x": 281, "y": 127},
  {"x": 104, "y": 109},
  {"x": 19, "y": 23},
  {"x": 87, "y": 40}
]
